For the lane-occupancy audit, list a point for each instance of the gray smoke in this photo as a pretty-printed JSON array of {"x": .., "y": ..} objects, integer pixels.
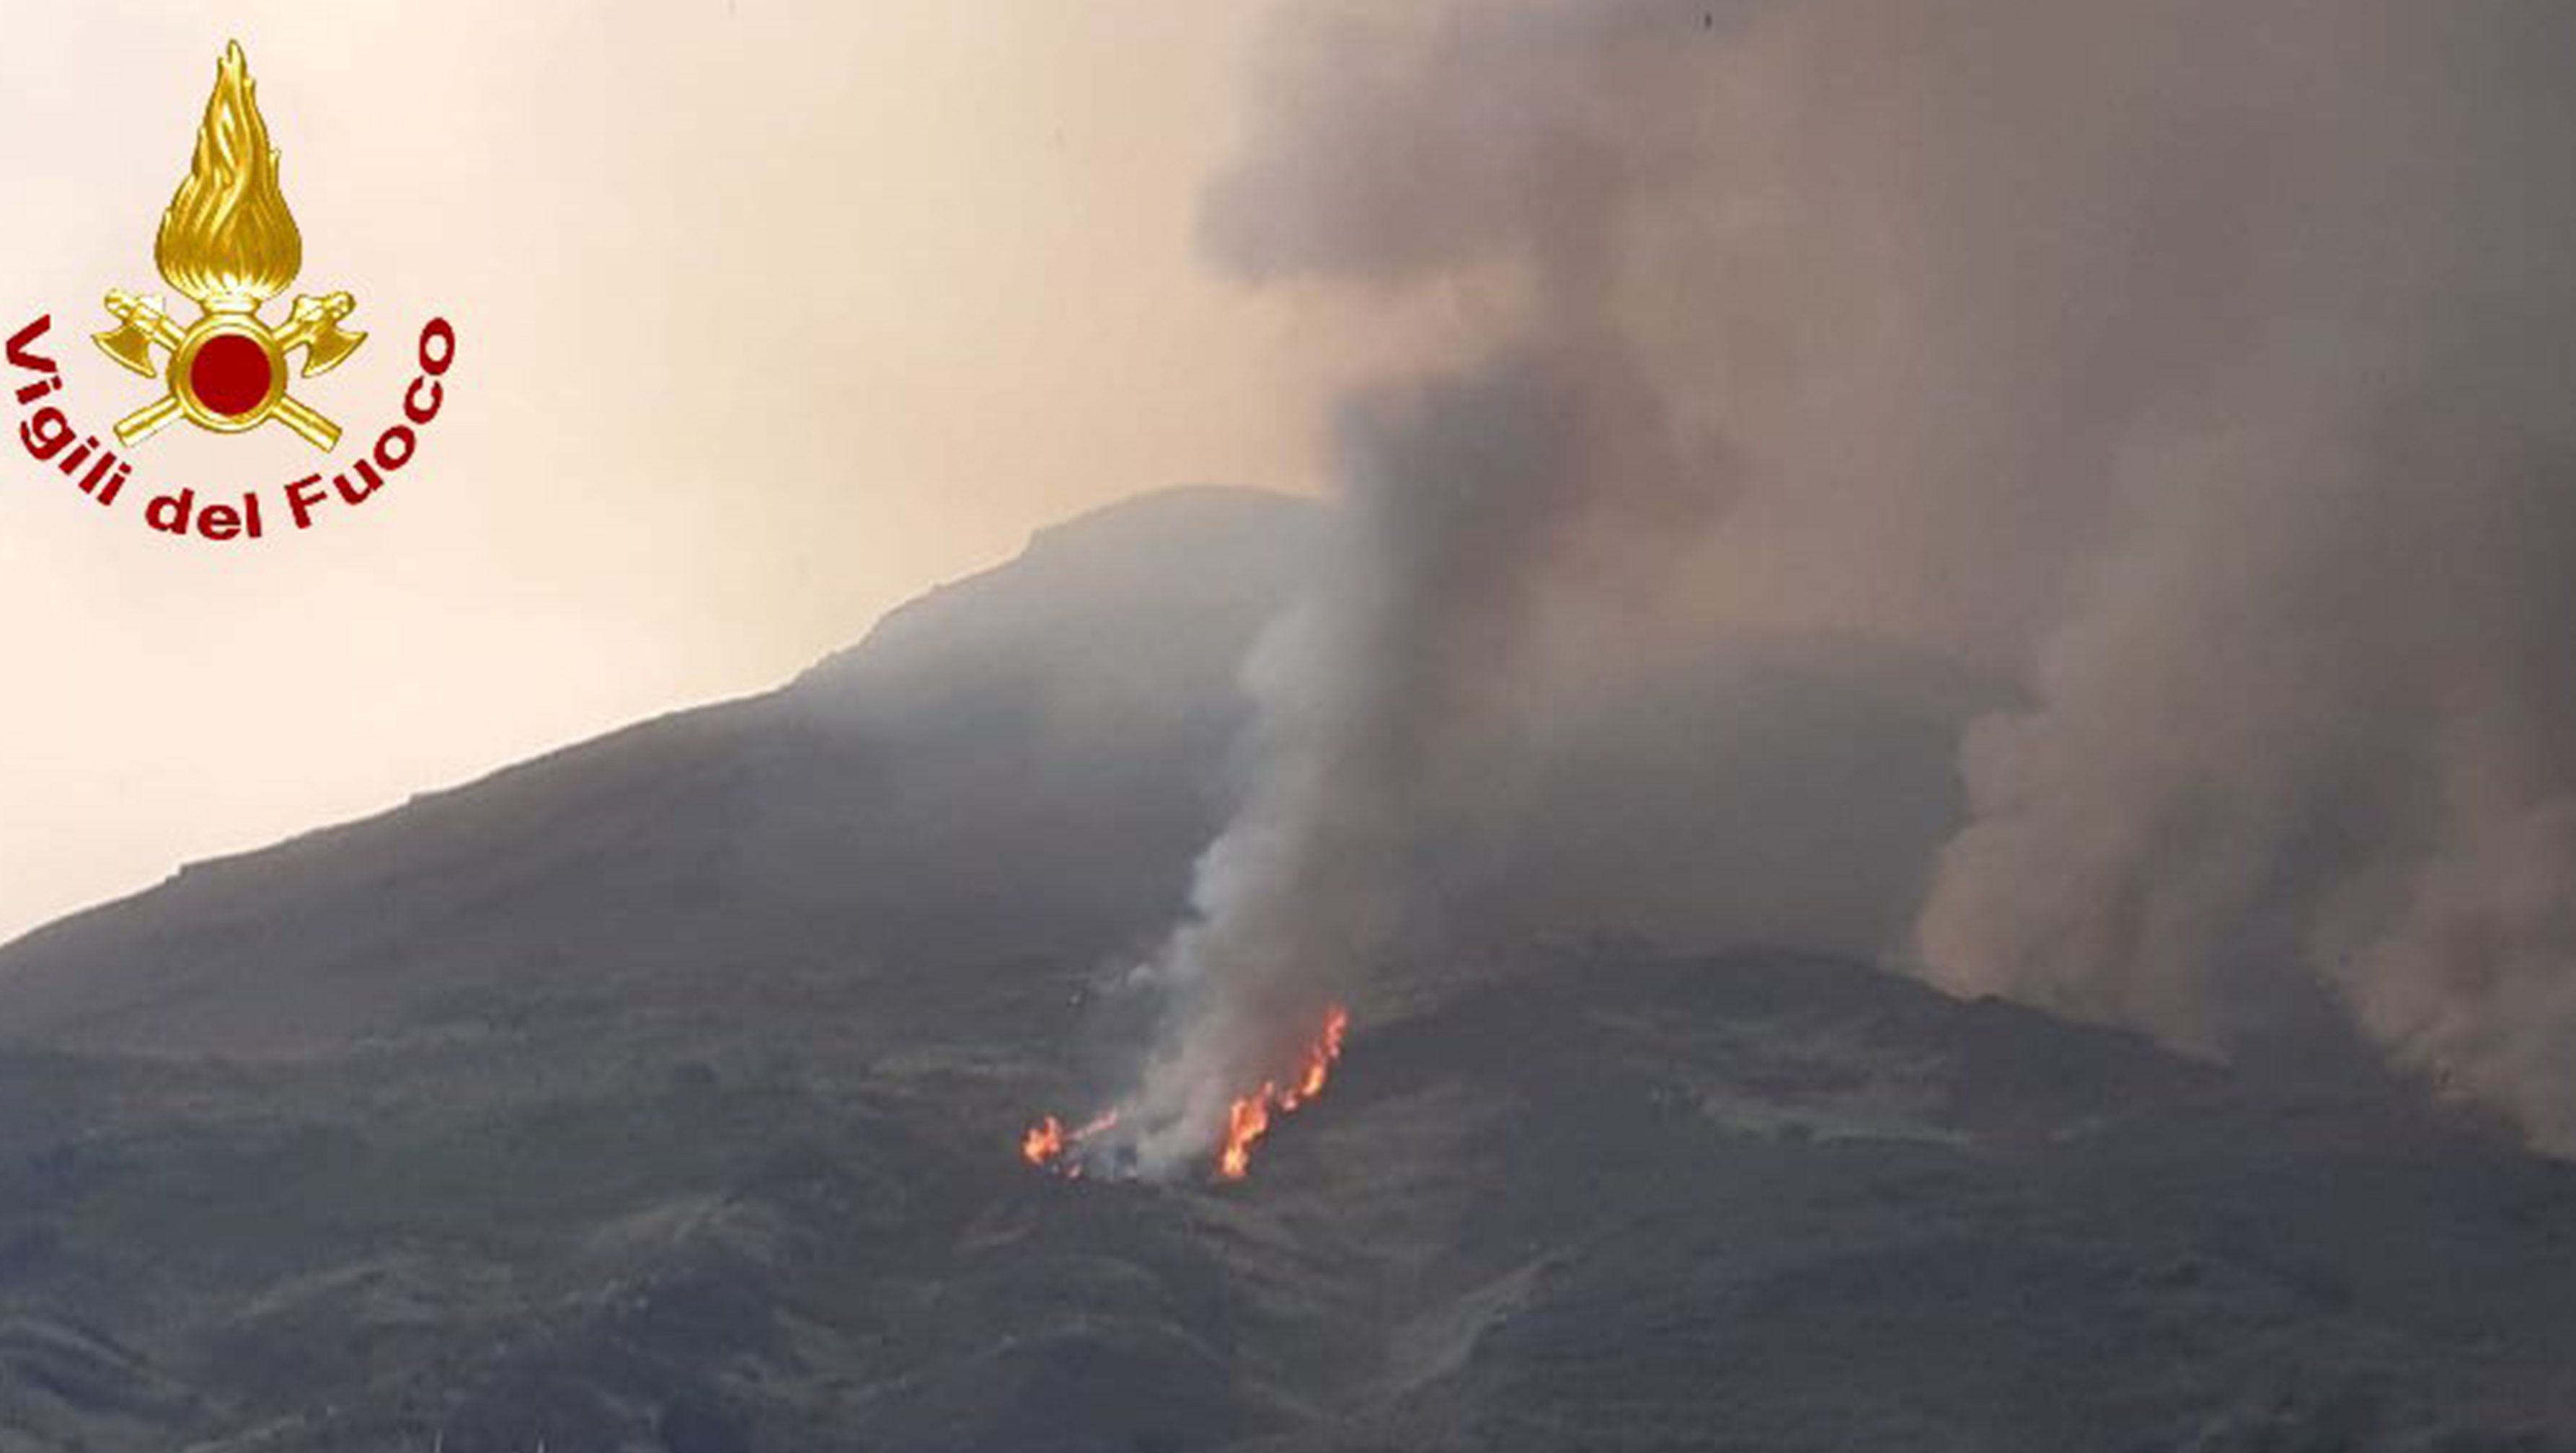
[
  {"x": 2311, "y": 710},
  {"x": 2205, "y": 362},
  {"x": 1468, "y": 498}
]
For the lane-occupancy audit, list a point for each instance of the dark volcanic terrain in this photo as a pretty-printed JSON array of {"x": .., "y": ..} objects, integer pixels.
[{"x": 663, "y": 1094}]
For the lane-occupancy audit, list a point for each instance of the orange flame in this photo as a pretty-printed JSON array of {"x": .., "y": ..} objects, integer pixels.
[
  {"x": 1046, "y": 1144},
  {"x": 1249, "y": 1118},
  {"x": 1043, "y": 1142}
]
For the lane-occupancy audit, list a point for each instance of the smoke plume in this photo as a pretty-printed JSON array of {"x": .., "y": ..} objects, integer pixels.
[{"x": 2205, "y": 364}]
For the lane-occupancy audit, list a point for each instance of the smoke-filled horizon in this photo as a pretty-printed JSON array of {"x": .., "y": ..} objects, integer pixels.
[
  {"x": 736, "y": 376},
  {"x": 2205, "y": 364}
]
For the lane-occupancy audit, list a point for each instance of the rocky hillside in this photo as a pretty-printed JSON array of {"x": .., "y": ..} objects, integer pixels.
[{"x": 662, "y": 1094}]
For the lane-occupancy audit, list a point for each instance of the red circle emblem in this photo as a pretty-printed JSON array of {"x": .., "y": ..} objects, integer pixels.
[{"x": 230, "y": 375}]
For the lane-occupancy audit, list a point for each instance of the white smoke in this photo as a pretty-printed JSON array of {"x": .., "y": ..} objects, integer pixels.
[{"x": 2210, "y": 362}]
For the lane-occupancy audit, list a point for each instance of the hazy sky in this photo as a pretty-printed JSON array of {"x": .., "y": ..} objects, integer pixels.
[{"x": 770, "y": 316}]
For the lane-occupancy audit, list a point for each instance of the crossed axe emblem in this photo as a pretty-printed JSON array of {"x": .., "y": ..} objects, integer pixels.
[{"x": 227, "y": 371}]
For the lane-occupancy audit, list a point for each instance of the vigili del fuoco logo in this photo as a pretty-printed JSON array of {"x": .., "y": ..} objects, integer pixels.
[{"x": 229, "y": 245}]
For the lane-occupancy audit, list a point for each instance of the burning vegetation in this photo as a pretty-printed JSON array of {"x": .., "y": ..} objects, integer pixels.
[
  {"x": 1248, "y": 1119},
  {"x": 1050, "y": 1146}
]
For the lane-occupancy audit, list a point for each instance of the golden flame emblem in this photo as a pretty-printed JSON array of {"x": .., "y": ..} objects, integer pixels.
[
  {"x": 228, "y": 242},
  {"x": 227, "y": 239}
]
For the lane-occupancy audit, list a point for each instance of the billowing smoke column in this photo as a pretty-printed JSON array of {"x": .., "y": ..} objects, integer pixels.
[
  {"x": 1459, "y": 496},
  {"x": 2208, "y": 365},
  {"x": 2309, "y": 715},
  {"x": 2318, "y": 714},
  {"x": 1467, "y": 497}
]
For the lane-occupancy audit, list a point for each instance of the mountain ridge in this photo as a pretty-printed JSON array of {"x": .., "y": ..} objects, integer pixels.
[{"x": 664, "y": 1093}]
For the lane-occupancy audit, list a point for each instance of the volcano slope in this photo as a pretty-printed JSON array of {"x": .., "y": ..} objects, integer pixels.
[{"x": 663, "y": 1094}]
